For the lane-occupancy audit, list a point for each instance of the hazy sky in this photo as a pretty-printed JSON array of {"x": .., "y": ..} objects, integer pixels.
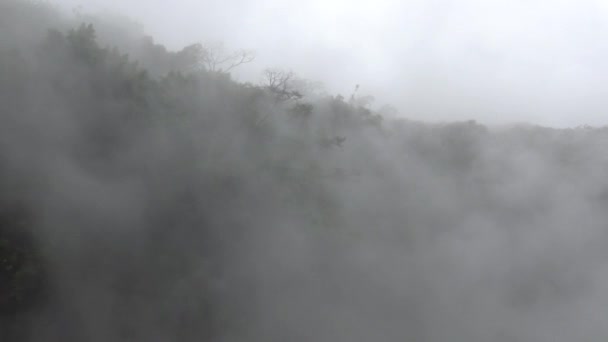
[{"x": 543, "y": 61}]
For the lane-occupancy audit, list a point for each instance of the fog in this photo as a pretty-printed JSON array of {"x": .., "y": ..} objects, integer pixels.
[
  {"x": 496, "y": 62},
  {"x": 146, "y": 194}
]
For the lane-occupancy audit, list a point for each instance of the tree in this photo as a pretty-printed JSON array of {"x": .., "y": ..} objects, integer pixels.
[
  {"x": 83, "y": 43},
  {"x": 189, "y": 58},
  {"x": 280, "y": 83},
  {"x": 215, "y": 58},
  {"x": 211, "y": 57}
]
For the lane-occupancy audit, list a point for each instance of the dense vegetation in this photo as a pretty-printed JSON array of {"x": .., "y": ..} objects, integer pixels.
[{"x": 146, "y": 197}]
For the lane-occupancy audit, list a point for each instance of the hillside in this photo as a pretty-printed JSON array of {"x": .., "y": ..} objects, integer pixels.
[{"x": 145, "y": 197}]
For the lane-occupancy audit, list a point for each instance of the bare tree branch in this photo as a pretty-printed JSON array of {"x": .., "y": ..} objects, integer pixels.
[
  {"x": 240, "y": 57},
  {"x": 279, "y": 82},
  {"x": 215, "y": 58}
]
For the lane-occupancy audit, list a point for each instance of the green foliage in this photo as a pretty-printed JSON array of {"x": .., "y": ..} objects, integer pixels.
[{"x": 22, "y": 278}]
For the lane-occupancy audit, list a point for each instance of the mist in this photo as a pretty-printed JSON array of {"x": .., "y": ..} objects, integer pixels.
[
  {"x": 502, "y": 62},
  {"x": 156, "y": 189}
]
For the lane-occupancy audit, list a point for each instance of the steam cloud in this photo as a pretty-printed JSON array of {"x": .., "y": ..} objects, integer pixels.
[{"x": 177, "y": 205}]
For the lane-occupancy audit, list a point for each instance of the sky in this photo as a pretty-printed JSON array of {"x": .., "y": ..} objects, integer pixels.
[{"x": 498, "y": 62}]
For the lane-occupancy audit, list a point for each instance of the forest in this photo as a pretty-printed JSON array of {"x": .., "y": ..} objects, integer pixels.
[{"x": 145, "y": 195}]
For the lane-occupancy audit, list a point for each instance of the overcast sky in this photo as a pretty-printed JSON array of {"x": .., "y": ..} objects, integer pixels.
[{"x": 543, "y": 61}]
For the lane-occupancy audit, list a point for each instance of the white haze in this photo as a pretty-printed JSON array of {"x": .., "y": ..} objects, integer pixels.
[
  {"x": 192, "y": 208},
  {"x": 493, "y": 61}
]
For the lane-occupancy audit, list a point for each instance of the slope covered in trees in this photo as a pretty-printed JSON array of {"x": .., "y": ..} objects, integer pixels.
[{"x": 144, "y": 197}]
